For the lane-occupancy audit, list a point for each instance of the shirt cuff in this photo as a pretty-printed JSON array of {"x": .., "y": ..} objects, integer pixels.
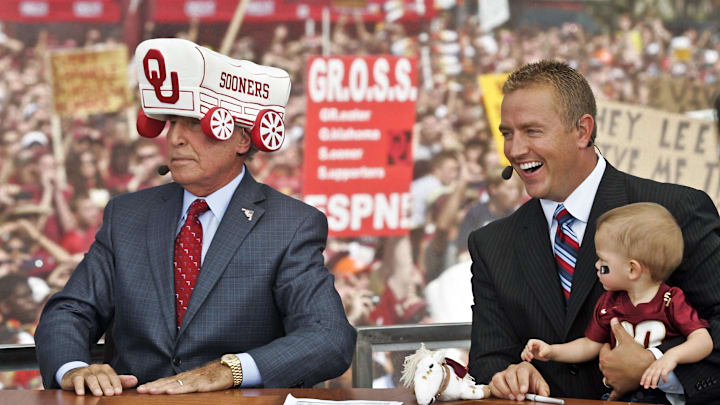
[
  {"x": 673, "y": 385},
  {"x": 251, "y": 374},
  {"x": 67, "y": 367}
]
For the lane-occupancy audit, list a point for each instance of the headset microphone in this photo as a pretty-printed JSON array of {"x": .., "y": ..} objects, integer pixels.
[
  {"x": 507, "y": 172},
  {"x": 164, "y": 169}
]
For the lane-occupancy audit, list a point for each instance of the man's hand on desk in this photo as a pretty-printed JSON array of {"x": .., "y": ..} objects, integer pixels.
[
  {"x": 101, "y": 379},
  {"x": 210, "y": 377},
  {"x": 517, "y": 380},
  {"x": 624, "y": 365}
]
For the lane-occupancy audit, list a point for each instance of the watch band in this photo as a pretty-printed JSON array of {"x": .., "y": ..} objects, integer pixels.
[{"x": 235, "y": 365}]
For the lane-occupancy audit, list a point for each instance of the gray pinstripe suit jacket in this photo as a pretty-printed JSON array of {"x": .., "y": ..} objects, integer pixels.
[
  {"x": 518, "y": 296},
  {"x": 263, "y": 289}
]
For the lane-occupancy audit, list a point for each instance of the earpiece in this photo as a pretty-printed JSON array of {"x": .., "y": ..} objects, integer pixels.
[
  {"x": 507, "y": 172},
  {"x": 163, "y": 170}
]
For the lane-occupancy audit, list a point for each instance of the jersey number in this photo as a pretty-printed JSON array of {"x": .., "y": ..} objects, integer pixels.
[{"x": 646, "y": 333}]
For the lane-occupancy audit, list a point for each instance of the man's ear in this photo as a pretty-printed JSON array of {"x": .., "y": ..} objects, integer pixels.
[
  {"x": 585, "y": 126},
  {"x": 243, "y": 145},
  {"x": 635, "y": 269}
]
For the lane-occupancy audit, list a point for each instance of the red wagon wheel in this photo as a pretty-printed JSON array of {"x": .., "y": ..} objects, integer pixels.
[
  {"x": 268, "y": 133},
  {"x": 218, "y": 123}
]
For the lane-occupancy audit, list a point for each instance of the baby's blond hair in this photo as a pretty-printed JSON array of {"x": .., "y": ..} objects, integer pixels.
[{"x": 646, "y": 232}]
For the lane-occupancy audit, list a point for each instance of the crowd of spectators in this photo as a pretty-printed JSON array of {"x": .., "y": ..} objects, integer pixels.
[{"x": 51, "y": 198}]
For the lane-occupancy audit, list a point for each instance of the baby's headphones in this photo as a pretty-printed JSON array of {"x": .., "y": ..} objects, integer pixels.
[{"x": 219, "y": 91}]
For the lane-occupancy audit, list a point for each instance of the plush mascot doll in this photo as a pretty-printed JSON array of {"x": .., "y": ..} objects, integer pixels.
[{"x": 435, "y": 376}]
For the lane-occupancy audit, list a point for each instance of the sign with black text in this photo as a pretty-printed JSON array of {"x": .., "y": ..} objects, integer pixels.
[{"x": 661, "y": 146}]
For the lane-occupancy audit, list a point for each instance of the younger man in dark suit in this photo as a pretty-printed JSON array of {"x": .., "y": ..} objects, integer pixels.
[{"x": 520, "y": 288}]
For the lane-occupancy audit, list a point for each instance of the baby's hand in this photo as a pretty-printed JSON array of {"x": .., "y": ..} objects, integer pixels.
[
  {"x": 660, "y": 367},
  {"x": 536, "y": 349}
]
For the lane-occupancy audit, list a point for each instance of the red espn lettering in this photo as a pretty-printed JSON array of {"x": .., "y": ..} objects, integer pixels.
[{"x": 242, "y": 85}]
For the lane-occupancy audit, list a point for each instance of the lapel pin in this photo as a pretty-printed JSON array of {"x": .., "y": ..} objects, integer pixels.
[{"x": 248, "y": 213}]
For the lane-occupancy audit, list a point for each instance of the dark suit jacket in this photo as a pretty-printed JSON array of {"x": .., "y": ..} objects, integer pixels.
[
  {"x": 518, "y": 296},
  {"x": 263, "y": 289}
]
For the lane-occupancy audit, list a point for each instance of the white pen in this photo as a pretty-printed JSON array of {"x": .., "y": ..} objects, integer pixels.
[{"x": 540, "y": 398}]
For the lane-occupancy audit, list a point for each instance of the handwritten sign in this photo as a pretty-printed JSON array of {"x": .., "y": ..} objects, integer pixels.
[
  {"x": 90, "y": 81},
  {"x": 661, "y": 146},
  {"x": 681, "y": 95}
]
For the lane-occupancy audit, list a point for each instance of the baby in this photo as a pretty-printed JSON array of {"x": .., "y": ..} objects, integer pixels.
[{"x": 638, "y": 247}]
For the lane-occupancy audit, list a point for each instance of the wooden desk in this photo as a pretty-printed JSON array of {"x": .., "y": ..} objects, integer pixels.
[{"x": 240, "y": 397}]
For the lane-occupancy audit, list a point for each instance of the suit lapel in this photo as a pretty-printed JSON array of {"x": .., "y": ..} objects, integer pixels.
[
  {"x": 534, "y": 256},
  {"x": 610, "y": 194},
  {"x": 161, "y": 230},
  {"x": 233, "y": 229}
]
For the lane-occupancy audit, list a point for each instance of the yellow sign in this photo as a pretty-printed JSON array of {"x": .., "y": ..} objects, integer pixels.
[
  {"x": 658, "y": 145},
  {"x": 90, "y": 81},
  {"x": 491, "y": 86}
]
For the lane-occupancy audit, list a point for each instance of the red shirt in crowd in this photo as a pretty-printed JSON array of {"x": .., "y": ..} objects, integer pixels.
[{"x": 79, "y": 240}]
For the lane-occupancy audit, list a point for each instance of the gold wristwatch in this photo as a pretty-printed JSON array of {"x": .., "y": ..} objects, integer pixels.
[{"x": 233, "y": 362}]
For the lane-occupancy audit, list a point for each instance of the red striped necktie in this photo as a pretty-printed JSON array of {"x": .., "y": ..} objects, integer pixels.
[{"x": 566, "y": 248}]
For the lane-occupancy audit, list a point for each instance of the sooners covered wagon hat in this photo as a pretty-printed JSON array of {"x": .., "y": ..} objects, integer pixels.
[{"x": 179, "y": 77}]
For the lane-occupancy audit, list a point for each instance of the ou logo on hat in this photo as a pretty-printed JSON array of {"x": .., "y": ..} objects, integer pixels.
[{"x": 157, "y": 78}]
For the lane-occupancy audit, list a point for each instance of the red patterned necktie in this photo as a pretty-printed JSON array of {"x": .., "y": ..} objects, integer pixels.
[{"x": 188, "y": 251}]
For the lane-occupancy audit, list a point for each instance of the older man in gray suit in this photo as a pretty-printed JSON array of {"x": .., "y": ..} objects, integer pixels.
[{"x": 263, "y": 310}]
